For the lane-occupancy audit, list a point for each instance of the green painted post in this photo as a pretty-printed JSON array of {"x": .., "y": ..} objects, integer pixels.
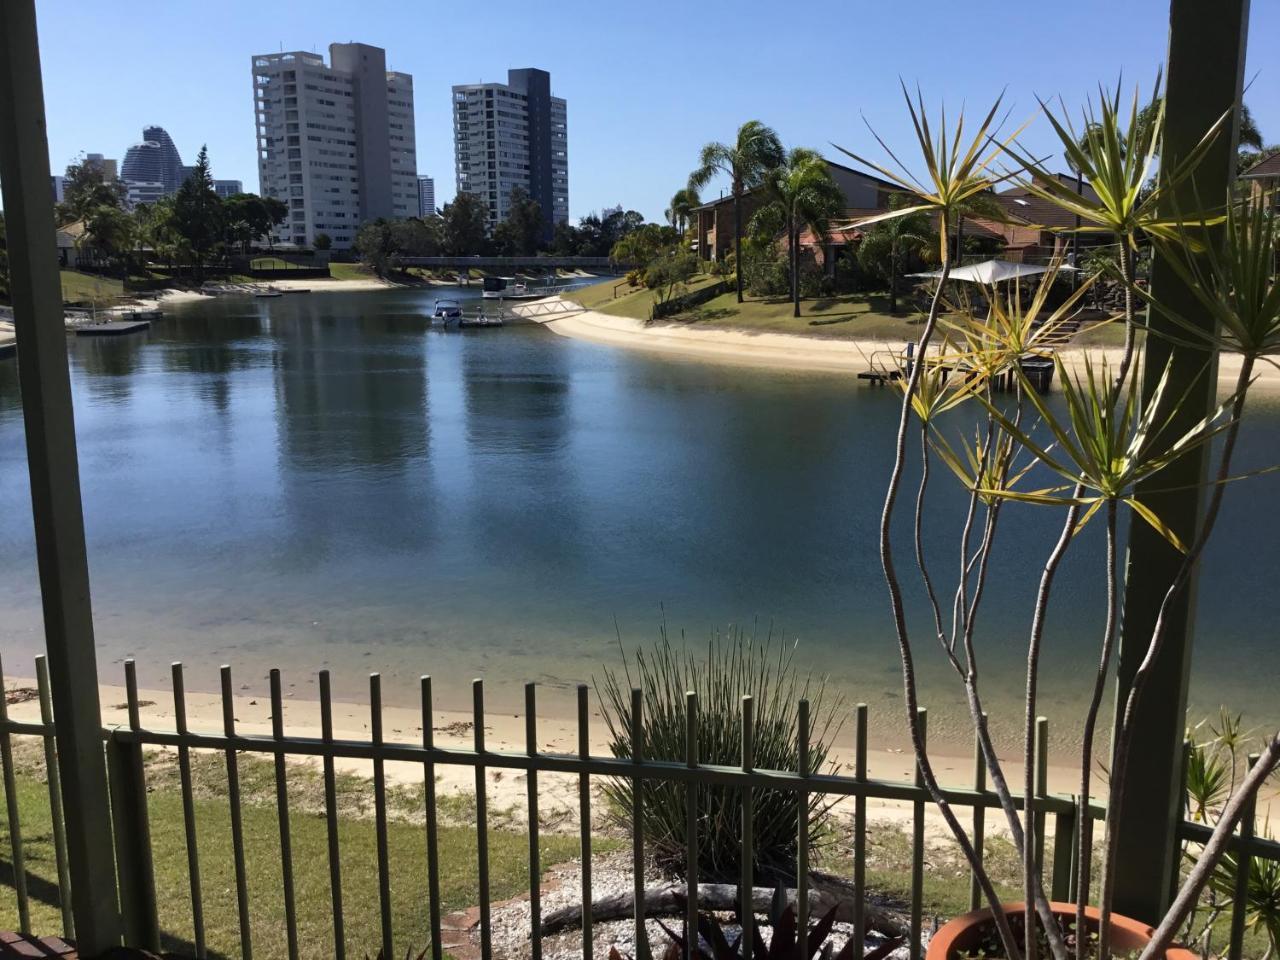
[
  {"x": 55, "y": 479},
  {"x": 1205, "y": 72}
]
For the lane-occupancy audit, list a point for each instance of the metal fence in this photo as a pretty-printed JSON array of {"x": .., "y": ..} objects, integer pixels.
[{"x": 124, "y": 754}]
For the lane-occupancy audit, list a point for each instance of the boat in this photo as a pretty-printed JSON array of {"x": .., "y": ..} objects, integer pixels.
[
  {"x": 297, "y": 290},
  {"x": 141, "y": 314},
  {"x": 446, "y": 311},
  {"x": 480, "y": 320},
  {"x": 508, "y": 288},
  {"x": 268, "y": 292}
]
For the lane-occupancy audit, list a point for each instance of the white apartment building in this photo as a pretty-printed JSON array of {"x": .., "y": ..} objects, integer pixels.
[
  {"x": 426, "y": 197},
  {"x": 336, "y": 141},
  {"x": 513, "y": 134}
]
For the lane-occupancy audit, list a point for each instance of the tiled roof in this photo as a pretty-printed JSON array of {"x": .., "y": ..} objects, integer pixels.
[{"x": 1265, "y": 168}]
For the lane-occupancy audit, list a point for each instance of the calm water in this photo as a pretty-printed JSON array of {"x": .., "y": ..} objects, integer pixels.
[{"x": 321, "y": 480}]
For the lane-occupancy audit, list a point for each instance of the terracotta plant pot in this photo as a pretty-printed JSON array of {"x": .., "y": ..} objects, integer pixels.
[{"x": 966, "y": 933}]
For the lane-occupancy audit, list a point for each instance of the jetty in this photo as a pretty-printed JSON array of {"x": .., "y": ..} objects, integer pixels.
[{"x": 112, "y": 328}]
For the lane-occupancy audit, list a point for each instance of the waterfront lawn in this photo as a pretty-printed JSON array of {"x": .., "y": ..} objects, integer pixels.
[
  {"x": 612, "y": 295},
  {"x": 857, "y": 316},
  {"x": 80, "y": 287},
  {"x": 350, "y": 271},
  {"x": 508, "y": 858}
]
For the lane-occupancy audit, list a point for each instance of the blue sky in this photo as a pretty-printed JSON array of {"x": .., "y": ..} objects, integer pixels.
[{"x": 646, "y": 84}]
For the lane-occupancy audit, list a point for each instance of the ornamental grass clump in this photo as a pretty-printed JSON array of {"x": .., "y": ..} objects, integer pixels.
[{"x": 729, "y": 667}]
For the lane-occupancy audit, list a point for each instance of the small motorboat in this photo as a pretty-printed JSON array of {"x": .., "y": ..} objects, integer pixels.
[
  {"x": 268, "y": 292},
  {"x": 447, "y": 311}
]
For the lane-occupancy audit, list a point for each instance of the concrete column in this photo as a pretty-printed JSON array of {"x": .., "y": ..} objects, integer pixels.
[
  {"x": 1205, "y": 70},
  {"x": 55, "y": 479}
]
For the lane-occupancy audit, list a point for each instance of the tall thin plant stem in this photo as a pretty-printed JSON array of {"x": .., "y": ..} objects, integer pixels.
[
  {"x": 1083, "y": 851},
  {"x": 906, "y": 654},
  {"x": 919, "y": 541},
  {"x": 1124, "y": 735},
  {"x": 1212, "y": 853}
]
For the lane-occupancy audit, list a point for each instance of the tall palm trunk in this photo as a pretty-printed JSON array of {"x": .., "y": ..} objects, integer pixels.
[
  {"x": 737, "y": 235},
  {"x": 793, "y": 237}
]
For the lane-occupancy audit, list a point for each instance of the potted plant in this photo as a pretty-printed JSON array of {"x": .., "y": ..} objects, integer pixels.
[{"x": 1097, "y": 445}]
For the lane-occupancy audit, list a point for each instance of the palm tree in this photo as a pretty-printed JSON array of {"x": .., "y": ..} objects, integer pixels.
[
  {"x": 802, "y": 194},
  {"x": 887, "y": 244},
  {"x": 680, "y": 213},
  {"x": 756, "y": 150}
]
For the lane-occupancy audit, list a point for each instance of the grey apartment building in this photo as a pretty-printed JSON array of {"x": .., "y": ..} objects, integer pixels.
[
  {"x": 513, "y": 134},
  {"x": 335, "y": 141}
]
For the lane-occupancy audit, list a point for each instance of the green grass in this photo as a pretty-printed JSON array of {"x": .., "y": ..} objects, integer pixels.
[
  {"x": 350, "y": 271},
  {"x": 634, "y": 302},
  {"x": 508, "y": 859},
  {"x": 78, "y": 287},
  {"x": 856, "y": 316}
]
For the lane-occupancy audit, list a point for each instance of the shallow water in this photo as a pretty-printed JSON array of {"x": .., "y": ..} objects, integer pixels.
[{"x": 322, "y": 480}]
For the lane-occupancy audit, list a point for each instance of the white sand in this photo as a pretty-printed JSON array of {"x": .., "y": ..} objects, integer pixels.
[{"x": 796, "y": 352}]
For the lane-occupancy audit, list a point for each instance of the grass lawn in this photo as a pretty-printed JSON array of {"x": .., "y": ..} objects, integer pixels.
[
  {"x": 634, "y": 302},
  {"x": 350, "y": 271},
  {"x": 845, "y": 316},
  {"x": 77, "y": 286},
  {"x": 508, "y": 859}
]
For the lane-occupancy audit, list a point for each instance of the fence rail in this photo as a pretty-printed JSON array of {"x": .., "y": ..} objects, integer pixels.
[{"x": 124, "y": 745}]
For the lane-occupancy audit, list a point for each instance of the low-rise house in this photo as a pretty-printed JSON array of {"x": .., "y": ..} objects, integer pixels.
[
  {"x": 1263, "y": 179},
  {"x": 864, "y": 195}
]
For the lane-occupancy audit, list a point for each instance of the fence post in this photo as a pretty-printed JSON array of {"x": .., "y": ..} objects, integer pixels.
[
  {"x": 133, "y": 843},
  {"x": 55, "y": 481},
  {"x": 1205, "y": 72}
]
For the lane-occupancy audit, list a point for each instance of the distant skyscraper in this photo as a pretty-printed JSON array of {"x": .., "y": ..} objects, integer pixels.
[
  {"x": 153, "y": 168},
  {"x": 513, "y": 134},
  {"x": 335, "y": 141},
  {"x": 228, "y": 188},
  {"x": 56, "y": 184},
  {"x": 426, "y": 197},
  {"x": 608, "y": 212}
]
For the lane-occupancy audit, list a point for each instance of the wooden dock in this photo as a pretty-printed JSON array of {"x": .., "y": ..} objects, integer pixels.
[{"x": 113, "y": 328}]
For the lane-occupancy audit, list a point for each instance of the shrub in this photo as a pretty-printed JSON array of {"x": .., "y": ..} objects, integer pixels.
[
  {"x": 732, "y": 665},
  {"x": 634, "y": 278},
  {"x": 767, "y": 278}
]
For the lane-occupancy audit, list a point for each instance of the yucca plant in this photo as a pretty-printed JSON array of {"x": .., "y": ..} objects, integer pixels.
[
  {"x": 1096, "y": 447},
  {"x": 730, "y": 666}
]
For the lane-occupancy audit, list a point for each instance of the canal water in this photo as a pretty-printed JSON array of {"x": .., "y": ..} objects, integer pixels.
[{"x": 324, "y": 480}]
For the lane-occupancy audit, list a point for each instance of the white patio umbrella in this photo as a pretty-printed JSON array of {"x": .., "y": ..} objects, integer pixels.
[{"x": 991, "y": 271}]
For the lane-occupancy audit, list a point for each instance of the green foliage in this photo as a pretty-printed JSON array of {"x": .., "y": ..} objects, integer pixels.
[
  {"x": 754, "y": 151},
  {"x": 765, "y": 277},
  {"x": 668, "y": 275},
  {"x": 381, "y": 244},
  {"x": 733, "y": 666},
  {"x": 197, "y": 219},
  {"x": 85, "y": 188},
  {"x": 465, "y": 226},
  {"x": 322, "y": 241},
  {"x": 683, "y": 203},
  {"x": 889, "y": 246},
  {"x": 520, "y": 234},
  {"x": 643, "y": 246}
]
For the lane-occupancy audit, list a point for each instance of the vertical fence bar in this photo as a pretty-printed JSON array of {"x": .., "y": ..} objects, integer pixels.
[
  {"x": 128, "y": 790},
  {"x": 691, "y": 826},
  {"x": 55, "y": 796},
  {"x": 917, "y": 850},
  {"x": 979, "y": 817},
  {"x": 331, "y": 817},
  {"x": 15, "y": 826},
  {"x": 188, "y": 808},
  {"x": 282, "y": 813},
  {"x": 237, "y": 823},
  {"x": 482, "y": 824},
  {"x": 380, "y": 812},
  {"x": 802, "y": 820},
  {"x": 1183, "y": 812},
  {"x": 433, "y": 829},
  {"x": 747, "y": 884},
  {"x": 584, "y": 820},
  {"x": 1064, "y": 832},
  {"x": 1244, "y": 866},
  {"x": 1041, "y": 753},
  {"x": 535, "y": 860},
  {"x": 637, "y": 821},
  {"x": 860, "y": 834}
]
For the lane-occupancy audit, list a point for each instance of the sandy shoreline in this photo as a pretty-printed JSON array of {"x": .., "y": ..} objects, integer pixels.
[
  {"x": 794, "y": 352},
  {"x": 504, "y": 732}
]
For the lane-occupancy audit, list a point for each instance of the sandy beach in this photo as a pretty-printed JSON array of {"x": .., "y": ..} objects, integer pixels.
[
  {"x": 795, "y": 352},
  {"x": 504, "y": 732}
]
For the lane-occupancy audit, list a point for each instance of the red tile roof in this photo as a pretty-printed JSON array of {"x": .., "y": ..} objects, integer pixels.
[{"x": 1265, "y": 168}]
